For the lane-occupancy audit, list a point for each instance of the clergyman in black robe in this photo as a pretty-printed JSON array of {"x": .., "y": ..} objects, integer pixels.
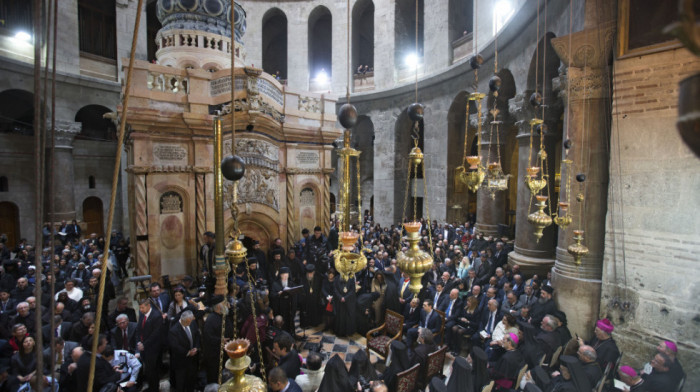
[
  {"x": 506, "y": 369},
  {"x": 335, "y": 377},
  {"x": 461, "y": 377},
  {"x": 398, "y": 363},
  {"x": 282, "y": 302},
  {"x": 344, "y": 305},
  {"x": 391, "y": 295},
  {"x": 365, "y": 312},
  {"x": 311, "y": 302}
]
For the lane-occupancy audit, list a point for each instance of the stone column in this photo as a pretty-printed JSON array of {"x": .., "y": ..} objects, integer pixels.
[
  {"x": 200, "y": 209},
  {"x": 297, "y": 52},
  {"x": 579, "y": 286},
  {"x": 140, "y": 218},
  {"x": 491, "y": 210},
  {"x": 534, "y": 257},
  {"x": 291, "y": 220},
  {"x": 62, "y": 170}
]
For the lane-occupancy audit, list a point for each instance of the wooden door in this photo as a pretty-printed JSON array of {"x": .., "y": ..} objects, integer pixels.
[
  {"x": 9, "y": 223},
  {"x": 93, "y": 216}
]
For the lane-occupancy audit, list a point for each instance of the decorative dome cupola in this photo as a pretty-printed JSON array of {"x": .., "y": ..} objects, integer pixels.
[{"x": 197, "y": 33}]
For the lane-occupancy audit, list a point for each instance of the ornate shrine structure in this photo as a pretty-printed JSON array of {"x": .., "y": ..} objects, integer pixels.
[{"x": 284, "y": 136}]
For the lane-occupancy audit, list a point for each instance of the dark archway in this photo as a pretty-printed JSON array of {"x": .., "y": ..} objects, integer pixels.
[
  {"x": 460, "y": 18},
  {"x": 363, "y": 140},
  {"x": 93, "y": 216},
  {"x": 274, "y": 41},
  {"x": 152, "y": 27},
  {"x": 549, "y": 60},
  {"x": 363, "y": 34},
  {"x": 17, "y": 112},
  {"x": 320, "y": 43},
  {"x": 405, "y": 31},
  {"x": 9, "y": 223},
  {"x": 95, "y": 126}
]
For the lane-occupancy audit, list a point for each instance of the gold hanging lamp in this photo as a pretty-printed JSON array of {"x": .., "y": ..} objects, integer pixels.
[{"x": 415, "y": 261}]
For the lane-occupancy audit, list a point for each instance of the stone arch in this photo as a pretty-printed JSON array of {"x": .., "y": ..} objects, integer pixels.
[
  {"x": 9, "y": 222},
  {"x": 274, "y": 42},
  {"x": 460, "y": 18},
  {"x": 534, "y": 75},
  {"x": 405, "y": 30},
  {"x": 309, "y": 212},
  {"x": 363, "y": 34},
  {"x": 505, "y": 93},
  {"x": 320, "y": 32},
  {"x": 94, "y": 125},
  {"x": 258, "y": 226},
  {"x": 17, "y": 112},
  {"x": 173, "y": 228}
]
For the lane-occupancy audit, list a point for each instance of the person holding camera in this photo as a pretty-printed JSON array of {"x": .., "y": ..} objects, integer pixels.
[{"x": 127, "y": 364}]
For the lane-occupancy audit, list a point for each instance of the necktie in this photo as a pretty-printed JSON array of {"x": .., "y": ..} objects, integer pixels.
[
  {"x": 59, "y": 362},
  {"x": 427, "y": 317},
  {"x": 411, "y": 312},
  {"x": 125, "y": 341},
  {"x": 57, "y": 333},
  {"x": 189, "y": 335},
  {"x": 490, "y": 323},
  {"x": 449, "y": 308},
  {"x": 143, "y": 326},
  {"x": 436, "y": 300}
]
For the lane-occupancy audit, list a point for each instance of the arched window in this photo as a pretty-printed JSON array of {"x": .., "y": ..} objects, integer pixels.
[
  {"x": 4, "y": 187},
  {"x": 363, "y": 34},
  {"x": 152, "y": 27},
  {"x": 91, "y": 182},
  {"x": 16, "y": 16},
  {"x": 95, "y": 126},
  {"x": 98, "y": 28},
  {"x": 274, "y": 41},
  {"x": 461, "y": 18},
  {"x": 405, "y": 33},
  {"x": 17, "y": 112},
  {"x": 320, "y": 46}
]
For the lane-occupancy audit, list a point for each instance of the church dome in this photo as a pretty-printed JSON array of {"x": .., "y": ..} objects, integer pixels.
[{"x": 210, "y": 16}]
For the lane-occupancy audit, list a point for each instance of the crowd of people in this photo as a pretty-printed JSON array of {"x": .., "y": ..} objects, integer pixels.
[{"x": 493, "y": 319}]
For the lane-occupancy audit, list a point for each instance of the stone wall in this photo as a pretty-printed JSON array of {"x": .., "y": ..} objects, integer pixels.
[{"x": 652, "y": 229}]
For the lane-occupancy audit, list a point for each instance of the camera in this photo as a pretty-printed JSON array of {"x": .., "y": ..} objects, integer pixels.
[{"x": 365, "y": 384}]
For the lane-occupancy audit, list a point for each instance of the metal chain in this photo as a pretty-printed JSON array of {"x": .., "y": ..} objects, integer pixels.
[
  {"x": 415, "y": 181},
  {"x": 427, "y": 211},
  {"x": 255, "y": 323},
  {"x": 221, "y": 349},
  {"x": 359, "y": 206},
  {"x": 466, "y": 134},
  {"x": 478, "y": 117}
]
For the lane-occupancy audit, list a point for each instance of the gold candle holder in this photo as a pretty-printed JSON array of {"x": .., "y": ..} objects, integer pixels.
[
  {"x": 577, "y": 249},
  {"x": 237, "y": 363},
  {"x": 539, "y": 219},
  {"x": 414, "y": 261}
]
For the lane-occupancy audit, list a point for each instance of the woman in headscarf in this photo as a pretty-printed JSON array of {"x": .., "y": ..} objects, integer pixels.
[
  {"x": 461, "y": 379},
  {"x": 335, "y": 377},
  {"x": 361, "y": 369},
  {"x": 398, "y": 362},
  {"x": 479, "y": 362},
  {"x": 379, "y": 287}
]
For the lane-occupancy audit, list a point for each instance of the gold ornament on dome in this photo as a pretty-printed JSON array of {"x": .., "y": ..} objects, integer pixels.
[
  {"x": 578, "y": 250},
  {"x": 539, "y": 219},
  {"x": 414, "y": 261}
]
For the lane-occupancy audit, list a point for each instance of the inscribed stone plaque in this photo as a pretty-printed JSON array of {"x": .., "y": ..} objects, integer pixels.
[
  {"x": 307, "y": 159},
  {"x": 223, "y": 85},
  {"x": 270, "y": 90},
  {"x": 169, "y": 154},
  {"x": 170, "y": 203}
]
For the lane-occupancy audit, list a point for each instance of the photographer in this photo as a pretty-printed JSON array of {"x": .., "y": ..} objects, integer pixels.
[{"x": 125, "y": 363}]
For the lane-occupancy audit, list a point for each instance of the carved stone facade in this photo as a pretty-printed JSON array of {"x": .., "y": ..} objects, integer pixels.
[{"x": 285, "y": 144}]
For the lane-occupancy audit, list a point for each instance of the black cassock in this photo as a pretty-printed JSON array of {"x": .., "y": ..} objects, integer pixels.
[
  {"x": 311, "y": 302},
  {"x": 284, "y": 304},
  {"x": 211, "y": 344},
  {"x": 344, "y": 311},
  {"x": 606, "y": 351},
  {"x": 508, "y": 367}
]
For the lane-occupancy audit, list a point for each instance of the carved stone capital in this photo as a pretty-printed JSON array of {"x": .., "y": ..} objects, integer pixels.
[
  {"x": 587, "y": 83},
  {"x": 589, "y": 48},
  {"x": 65, "y": 133}
]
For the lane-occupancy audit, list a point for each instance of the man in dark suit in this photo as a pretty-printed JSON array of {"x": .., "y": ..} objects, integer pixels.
[
  {"x": 124, "y": 334},
  {"x": 184, "y": 341},
  {"x": 7, "y": 304},
  {"x": 104, "y": 373},
  {"x": 62, "y": 353},
  {"x": 62, "y": 329},
  {"x": 411, "y": 316},
  {"x": 67, "y": 379},
  {"x": 518, "y": 285},
  {"x": 279, "y": 381},
  {"x": 405, "y": 293},
  {"x": 159, "y": 299},
  {"x": 148, "y": 342},
  {"x": 283, "y": 347},
  {"x": 451, "y": 306},
  {"x": 437, "y": 294},
  {"x": 429, "y": 319},
  {"x": 470, "y": 280},
  {"x": 489, "y": 318}
]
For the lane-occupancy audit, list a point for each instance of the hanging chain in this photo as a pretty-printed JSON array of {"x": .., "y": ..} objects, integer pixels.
[
  {"x": 255, "y": 323},
  {"x": 427, "y": 212},
  {"x": 415, "y": 181},
  {"x": 221, "y": 349},
  {"x": 466, "y": 135},
  {"x": 478, "y": 129}
]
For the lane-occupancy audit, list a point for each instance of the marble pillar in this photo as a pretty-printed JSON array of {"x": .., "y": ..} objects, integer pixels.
[
  {"x": 533, "y": 257},
  {"x": 62, "y": 170},
  {"x": 578, "y": 287}
]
